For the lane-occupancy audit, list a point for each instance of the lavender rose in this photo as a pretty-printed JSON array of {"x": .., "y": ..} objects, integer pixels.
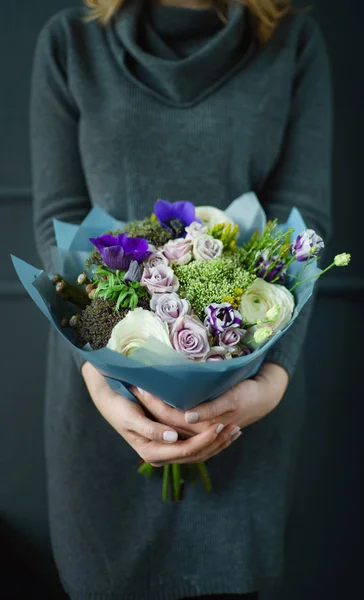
[
  {"x": 169, "y": 307},
  {"x": 160, "y": 280},
  {"x": 231, "y": 338},
  {"x": 156, "y": 259},
  {"x": 179, "y": 251},
  {"x": 189, "y": 336},
  {"x": 221, "y": 316},
  {"x": 205, "y": 247},
  {"x": 195, "y": 230}
]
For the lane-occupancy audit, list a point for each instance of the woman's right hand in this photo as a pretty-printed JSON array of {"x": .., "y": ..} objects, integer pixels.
[{"x": 155, "y": 443}]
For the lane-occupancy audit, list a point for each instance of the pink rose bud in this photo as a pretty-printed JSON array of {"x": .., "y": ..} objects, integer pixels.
[{"x": 231, "y": 338}]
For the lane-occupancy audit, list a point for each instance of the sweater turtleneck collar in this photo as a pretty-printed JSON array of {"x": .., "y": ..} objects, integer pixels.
[{"x": 179, "y": 55}]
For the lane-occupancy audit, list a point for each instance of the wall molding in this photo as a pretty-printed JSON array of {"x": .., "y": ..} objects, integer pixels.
[{"x": 15, "y": 192}]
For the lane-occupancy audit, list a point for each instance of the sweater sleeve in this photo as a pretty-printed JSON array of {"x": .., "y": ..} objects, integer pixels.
[
  {"x": 302, "y": 175},
  {"x": 58, "y": 183}
]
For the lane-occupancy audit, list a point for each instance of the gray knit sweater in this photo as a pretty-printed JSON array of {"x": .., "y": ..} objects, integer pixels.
[{"x": 168, "y": 102}]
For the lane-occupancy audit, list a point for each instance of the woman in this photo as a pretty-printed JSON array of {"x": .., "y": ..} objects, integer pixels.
[{"x": 184, "y": 99}]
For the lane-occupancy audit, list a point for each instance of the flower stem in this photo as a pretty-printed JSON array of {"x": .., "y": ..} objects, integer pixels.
[
  {"x": 70, "y": 292},
  {"x": 177, "y": 481},
  {"x": 165, "y": 487},
  {"x": 204, "y": 474},
  {"x": 313, "y": 277},
  {"x": 146, "y": 469}
]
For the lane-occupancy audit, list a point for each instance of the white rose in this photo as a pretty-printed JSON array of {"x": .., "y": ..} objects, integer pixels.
[
  {"x": 133, "y": 331},
  {"x": 206, "y": 247},
  {"x": 210, "y": 215},
  {"x": 262, "y": 298}
]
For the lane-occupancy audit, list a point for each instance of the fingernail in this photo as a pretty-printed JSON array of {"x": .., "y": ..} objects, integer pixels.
[
  {"x": 234, "y": 431},
  {"x": 170, "y": 436},
  {"x": 219, "y": 428},
  {"x": 141, "y": 392},
  {"x": 192, "y": 417},
  {"x": 236, "y": 436}
]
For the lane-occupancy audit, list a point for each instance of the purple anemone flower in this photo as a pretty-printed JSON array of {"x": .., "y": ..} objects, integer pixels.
[
  {"x": 221, "y": 316},
  {"x": 117, "y": 251},
  {"x": 175, "y": 216},
  {"x": 270, "y": 268}
]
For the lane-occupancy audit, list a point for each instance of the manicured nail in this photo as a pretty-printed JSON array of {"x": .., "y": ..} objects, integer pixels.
[
  {"x": 236, "y": 436},
  {"x": 141, "y": 392},
  {"x": 170, "y": 436},
  {"x": 192, "y": 417},
  {"x": 234, "y": 431},
  {"x": 219, "y": 428}
]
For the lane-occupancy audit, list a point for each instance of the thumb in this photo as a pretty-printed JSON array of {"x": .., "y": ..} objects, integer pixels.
[{"x": 209, "y": 411}]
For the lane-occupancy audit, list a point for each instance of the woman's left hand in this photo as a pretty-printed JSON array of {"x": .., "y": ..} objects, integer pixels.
[{"x": 247, "y": 402}]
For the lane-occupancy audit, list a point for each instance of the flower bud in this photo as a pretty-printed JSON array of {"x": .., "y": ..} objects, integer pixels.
[
  {"x": 342, "y": 260},
  {"x": 273, "y": 313},
  {"x": 82, "y": 279},
  {"x": 262, "y": 334}
]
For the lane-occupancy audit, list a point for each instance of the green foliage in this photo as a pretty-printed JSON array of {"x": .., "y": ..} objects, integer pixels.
[
  {"x": 225, "y": 232},
  {"x": 93, "y": 259},
  {"x": 112, "y": 288},
  {"x": 149, "y": 229},
  {"x": 204, "y": 282},
  {"x": 272, "y": 241}
]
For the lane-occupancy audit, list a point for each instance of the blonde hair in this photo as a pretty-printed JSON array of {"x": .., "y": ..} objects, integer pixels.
[{"x": 267, "y": 13}]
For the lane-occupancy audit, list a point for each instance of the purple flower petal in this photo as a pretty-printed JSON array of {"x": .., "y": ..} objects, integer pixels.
[
  {"x": 104, "y": 241},
  {"x": 114, "y": 257},
  {"x": 118, "y": 251},
  {"x": 185, "y": 211},
  {"x": 163, "y": 211},
  {"x": 135, "y": 272}
]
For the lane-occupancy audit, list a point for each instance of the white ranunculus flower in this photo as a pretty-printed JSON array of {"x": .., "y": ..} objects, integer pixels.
[
  {"x": 210, "y": 216},
  {"x": 261, "y": 297},
  {"x": 133, "y": 331}
]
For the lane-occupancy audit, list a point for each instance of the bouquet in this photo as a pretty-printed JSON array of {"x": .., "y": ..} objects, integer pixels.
[{"x": 184, "y": 303}]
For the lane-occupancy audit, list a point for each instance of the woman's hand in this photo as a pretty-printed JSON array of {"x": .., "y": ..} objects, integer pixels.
[
  {"x": 156, "y": 443},
  {"x": 247, "y": 402}
]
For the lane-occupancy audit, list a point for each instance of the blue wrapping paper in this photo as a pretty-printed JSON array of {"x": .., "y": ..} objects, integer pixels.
[{"x": 178, "y": 381}]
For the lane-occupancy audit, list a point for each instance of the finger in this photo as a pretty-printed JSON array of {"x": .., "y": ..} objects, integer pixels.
[
  {"x": 184, "y": 451},
  {"x": 222, "y": 442},
  {"x": 128, "y": 416},
  {"x": 164, "y": 413},
  {"x": 210, "y": 411},
  {"x": 225, "y": 436},
  {"x": 153, "y": 431}
]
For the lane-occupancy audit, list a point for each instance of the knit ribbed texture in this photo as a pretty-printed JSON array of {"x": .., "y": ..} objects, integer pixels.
[{"x": 100, "y": 135}]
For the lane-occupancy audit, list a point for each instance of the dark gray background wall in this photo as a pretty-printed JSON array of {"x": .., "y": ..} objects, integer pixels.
[{"x": 325, "y": 549}]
